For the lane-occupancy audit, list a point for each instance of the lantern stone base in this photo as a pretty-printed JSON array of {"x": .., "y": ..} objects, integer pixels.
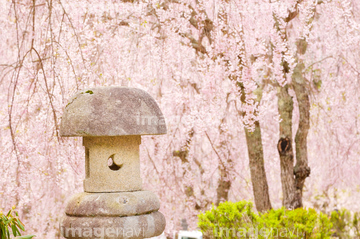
[
  {"x": 113, "y": 215},
  {"x": 112, "y": 204}
]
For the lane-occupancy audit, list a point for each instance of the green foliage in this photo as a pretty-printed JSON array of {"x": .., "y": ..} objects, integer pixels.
[
  {"x": 228, "y": 215},
  {"x": 341, "y": 222},
  {"x": 10, "y": 224},
  {"x": 356, "y": 224},
  {"x": 89, "y": 92},
  {"x": 298, "y": 223},
  {"x": 344, "y": 223},
  {"x": 238, "y": 220}
]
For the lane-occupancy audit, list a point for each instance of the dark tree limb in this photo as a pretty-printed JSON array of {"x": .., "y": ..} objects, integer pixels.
[
  {"x": 285, "y": 107},
  {"x": 257, "y": 169},
  {"x": 293, "y": 178},
  {"x": 256, "y": 162},
  {"x": 301, "y": 170}
]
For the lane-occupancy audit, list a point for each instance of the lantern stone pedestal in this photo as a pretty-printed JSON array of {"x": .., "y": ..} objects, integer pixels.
[{"x": 111, "y": 121}]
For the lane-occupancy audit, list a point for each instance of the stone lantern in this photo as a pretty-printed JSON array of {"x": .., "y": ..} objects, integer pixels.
[{"x": 111, "y": 121}]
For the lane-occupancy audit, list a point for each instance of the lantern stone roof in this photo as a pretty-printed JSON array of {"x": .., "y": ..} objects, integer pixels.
[{"x": 112, "y": 111}]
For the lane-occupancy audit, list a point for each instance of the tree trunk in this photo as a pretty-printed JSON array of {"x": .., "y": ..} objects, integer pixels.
[
  {"x": 301, "y": 170},
  {"x": 256, "y": 161},
  {"x": 257, "y": 169},
  {"x": 224, "y": 184},
  {"x": 293, "y": 178},
  {"x": 285, "y": 107}
]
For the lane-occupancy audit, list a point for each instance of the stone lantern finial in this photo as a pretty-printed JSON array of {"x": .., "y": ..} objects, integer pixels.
[{"x": 111, "y": 121}]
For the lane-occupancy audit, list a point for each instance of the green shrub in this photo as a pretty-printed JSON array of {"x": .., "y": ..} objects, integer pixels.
[
  {"x": 356, "y": 224},
  {"x": 223, "y": 221},
  {"x": 298, "y": 223},
  {"x": 344, "y": 223},
  {"x": 11, "y": 224},
  {"x": 341, "y": 221},
  {"x": 238, "y": 220}
]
